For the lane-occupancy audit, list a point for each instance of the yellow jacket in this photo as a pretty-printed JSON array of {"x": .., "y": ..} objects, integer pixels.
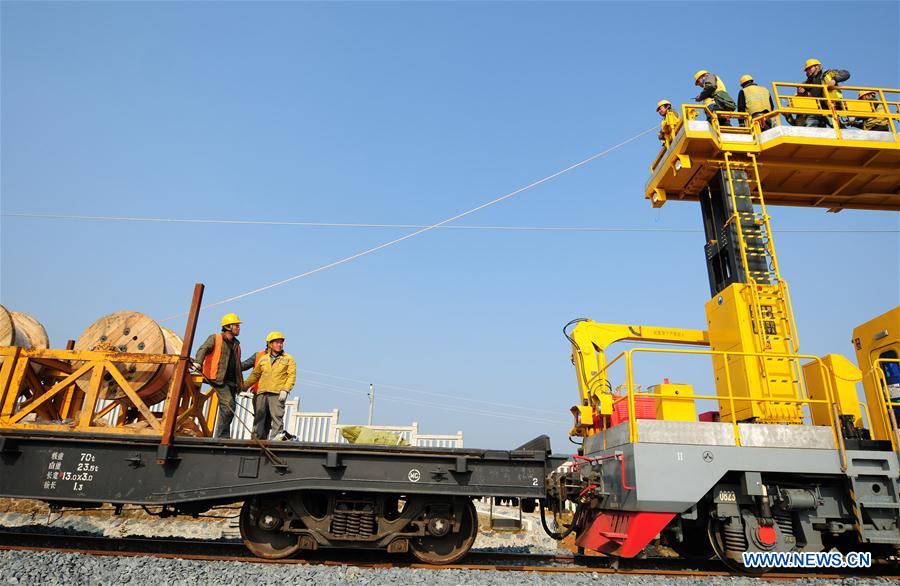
[
  {"x": 273, "y": 377},
  {"x": 872, "y": 123},
  {"x": 667, "y": 127}
]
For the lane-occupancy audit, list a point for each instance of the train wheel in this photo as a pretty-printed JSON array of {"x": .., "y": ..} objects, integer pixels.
[
  {"x": 448, "y": 547},
  {"x": 261, "y": 524},
  {"x": 718, "y": 540}
]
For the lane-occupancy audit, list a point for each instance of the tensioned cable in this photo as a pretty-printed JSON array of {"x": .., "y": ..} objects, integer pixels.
[
  {"x": 453, "y": 408},
  {"x": 423, "y": 402},
  {"x": 421, "y": 392},
  {"x": 416, "y": 226},
  {"x": 419, "y": 231},
  {"x": 425, "y": 229},
  {"x": 420, "y": 403}
]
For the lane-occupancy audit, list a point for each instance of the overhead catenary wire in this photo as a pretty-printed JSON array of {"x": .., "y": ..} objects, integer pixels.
[
  {"x": 361, "y": 225},
  {"x": 423, "y": 392},
  {"x": 423, "y": 403},
  {"x": 439, "y": 406},
  {"x": 420, "y": 231}
]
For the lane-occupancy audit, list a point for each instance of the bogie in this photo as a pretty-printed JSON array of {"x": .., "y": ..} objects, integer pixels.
[{"x": 435, "y": 529}]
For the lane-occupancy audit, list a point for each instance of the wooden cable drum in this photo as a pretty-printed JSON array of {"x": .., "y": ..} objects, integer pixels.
[
  {"x": 30, "y": 333},
  {"x": 130, "y": 331},
  {"x": 173, "y": 346},
  {"x": 7, "y": 330},
  {"x": 22, "y": 330}
]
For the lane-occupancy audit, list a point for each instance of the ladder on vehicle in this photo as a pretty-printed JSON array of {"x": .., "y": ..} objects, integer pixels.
[{"x": 771, "y": 312}]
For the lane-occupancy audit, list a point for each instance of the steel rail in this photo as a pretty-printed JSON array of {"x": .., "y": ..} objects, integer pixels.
[{"x": 190, "y": 549}]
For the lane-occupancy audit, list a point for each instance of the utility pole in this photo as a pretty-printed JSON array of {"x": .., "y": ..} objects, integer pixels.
[{"x": 371, "y": 402}]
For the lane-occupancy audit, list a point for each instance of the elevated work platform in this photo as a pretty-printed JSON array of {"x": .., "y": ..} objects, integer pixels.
[{"x": 833, "y": 166}]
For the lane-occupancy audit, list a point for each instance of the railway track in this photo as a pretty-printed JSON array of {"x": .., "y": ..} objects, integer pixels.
[{"x": 231, "y": 551}]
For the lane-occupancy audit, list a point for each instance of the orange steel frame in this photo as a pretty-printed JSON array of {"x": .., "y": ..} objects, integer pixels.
[{"x": 39, "y": 392}]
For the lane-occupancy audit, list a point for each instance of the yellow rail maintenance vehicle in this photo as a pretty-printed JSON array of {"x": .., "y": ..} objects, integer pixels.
[{"x": 790, "y": 459}]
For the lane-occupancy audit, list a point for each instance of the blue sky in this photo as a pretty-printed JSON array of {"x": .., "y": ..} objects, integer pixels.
[{"x": 403, "y": 113}]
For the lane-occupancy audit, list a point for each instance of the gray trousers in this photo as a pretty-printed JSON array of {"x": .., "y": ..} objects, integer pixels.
[
  {"x": 227, "y": 404},
  {"x": 268, "y": 415}
]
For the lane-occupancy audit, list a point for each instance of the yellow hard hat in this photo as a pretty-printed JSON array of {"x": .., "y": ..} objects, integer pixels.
[
  {"x": 274, "y": 336},
  {"x": 229, "y": 319},
  {"x": 663, "y": 103},
  {"x": 699, "y": 74},
  {"x": 745, "y": 78},
  {"x": 867, "y": 93},
  {"x": 810, "y": 63}
]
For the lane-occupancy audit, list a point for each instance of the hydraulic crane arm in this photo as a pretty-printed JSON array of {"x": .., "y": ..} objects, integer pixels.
[{"x": 590, "y": 340}]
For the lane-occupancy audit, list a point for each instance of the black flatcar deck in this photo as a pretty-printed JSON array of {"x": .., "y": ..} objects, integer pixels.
[{"x": 74, "y": 469}]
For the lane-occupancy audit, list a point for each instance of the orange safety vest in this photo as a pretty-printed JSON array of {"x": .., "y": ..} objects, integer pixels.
[
  {"x": 211, "y": 362},
  {"x": 259, "y": 356}
]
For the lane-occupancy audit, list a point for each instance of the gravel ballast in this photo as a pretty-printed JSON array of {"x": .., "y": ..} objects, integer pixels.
[{"x": 70, "y": 569}]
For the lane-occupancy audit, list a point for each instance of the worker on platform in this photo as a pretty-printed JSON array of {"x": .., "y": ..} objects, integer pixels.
[
  {"x": 275, "y": 372},
  {"x": 830, "y": 78},
  {"x": 669, "y": 123},
  {"x": 219, "y": 359},
  {"x": 713, "y": 93},
  {"x": 870, "y": 123},
  {"x": 755, "y": 100}
]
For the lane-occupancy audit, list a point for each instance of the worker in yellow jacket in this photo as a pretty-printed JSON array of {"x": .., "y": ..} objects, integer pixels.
[
  {"x": 870, "y": 123},
  {"x": 276, "y": 373},
  {"x": 669, "y": 123},
  {"x": 755, "y": 100}
]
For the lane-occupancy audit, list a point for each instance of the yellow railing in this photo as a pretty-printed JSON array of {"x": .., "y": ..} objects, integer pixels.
[
  {"x": 791, "y": 108},
  {"x": 888, "y": 403},
  {"x": 727, "y": 395},
  {"x": 790, "y": 103}
]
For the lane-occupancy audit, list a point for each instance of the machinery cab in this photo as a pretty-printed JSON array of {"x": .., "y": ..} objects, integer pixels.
[{"x": 877, "y": 344}]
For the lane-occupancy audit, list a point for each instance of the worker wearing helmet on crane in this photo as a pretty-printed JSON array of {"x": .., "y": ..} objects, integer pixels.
[
  {"x": 870, "y": 123},
  {"x": 713, "y": 89},
  {"x": 755, "y": 100},
  {"x": 219, "y": 359},
  {"x": 816, "y": 75},
  {"x": 669, "y": 123},
  {"x": 275, "y": 372}
]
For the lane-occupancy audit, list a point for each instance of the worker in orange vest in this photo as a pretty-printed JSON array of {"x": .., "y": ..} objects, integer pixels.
[{"x": 219, "y": 359}]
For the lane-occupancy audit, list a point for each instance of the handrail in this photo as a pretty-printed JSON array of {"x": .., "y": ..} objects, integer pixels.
[
  {"x": 837, "y": 106},
  {"x": 631, "y": 394},
  {"x": 834, "y": 109},
  {"x": 887, "y": 402}
]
